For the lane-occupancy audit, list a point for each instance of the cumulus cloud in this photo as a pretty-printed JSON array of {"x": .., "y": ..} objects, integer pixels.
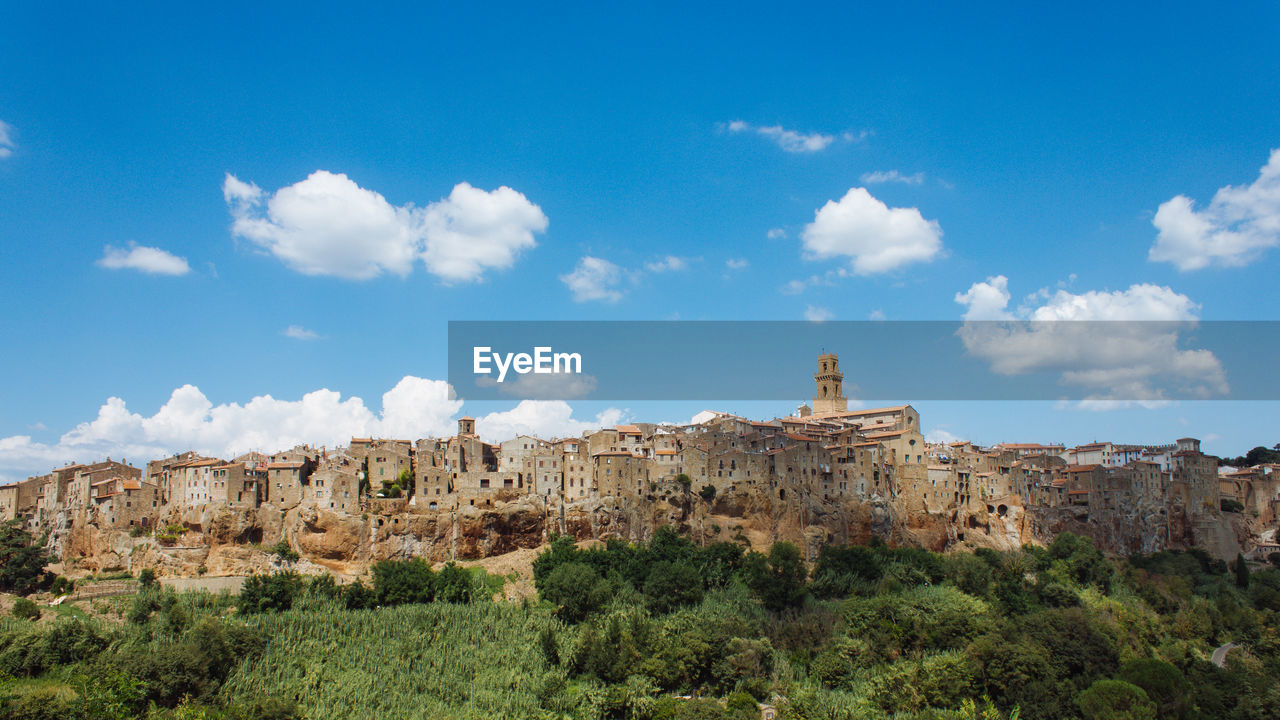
[
  {"x": 150, "y": 260},
  {"x": 542, "y": 418},
  {"x": 737, "y": 263},
  {"x": 987, "y": 300},
  {"x": 1237, "y": 226},
  {"x": 594, "y": 279},
  {"x": 415, "y": 407},
  {"x": 329, "y": 225},
  {"x": 792, "y": 141},
  {"x": 892, "y": 176},
  {"x": 814, "y": 313},
  {"x": 1123, "y": 345},
  {"x": 6, "y": 139},
  {"x": 875, "y": 237},
  {"x": 940, "y": 436},
  {"x": 670, "y": 263},
  {"x": 297, "y": 332}
]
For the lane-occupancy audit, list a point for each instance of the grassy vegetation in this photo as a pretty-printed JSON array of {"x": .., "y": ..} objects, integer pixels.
[{"x": 630, "y": 632}]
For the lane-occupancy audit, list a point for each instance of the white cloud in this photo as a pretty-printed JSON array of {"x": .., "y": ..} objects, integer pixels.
[
  {"x": 940, "y": 436},
  {"x": 1239, "y": 224},
  {"x": 152, "y": 261},
  {"x": 986, "y": 300},
  {"x": 795, "y": 287},
  {"x": 415, "y": 407},
  {"x": 670, "y": 263},
  {"x": 542, "y": 418},
  {"x": 814, "y": 313},
  {"x": 297, "y": 332},
  {"x": 791, "y": 140},
  {"x": 594, "y": 279},
  {"x": 472, "y": 231},
  {"x": 6, "y": 139},
  {"x": 892, "y": 176},
  {"x": 875, "y": 237},
  {"x": 329, "y": 225},
  {"x": 1117, "y": 346},
  {"x": 876, "y": 314},
  {"x": 776, "y": 233},
  {"x": 737, "y": 263}
]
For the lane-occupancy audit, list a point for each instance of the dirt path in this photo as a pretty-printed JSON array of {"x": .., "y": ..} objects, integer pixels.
[{"x": 231, "y": 583}]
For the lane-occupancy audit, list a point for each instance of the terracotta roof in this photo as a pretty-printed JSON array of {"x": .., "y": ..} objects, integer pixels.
[
  {"x": 628, "y": 429},
  {"x": 885, "y": 433},
  {"x": 803, "y": 438},
  {"x": 613, "y": 453},
  {"x": 283, "y": 465},
  {"x": 1078, "y": 492},
  {"x": 664, "y": 452},
  {"x": 131, "y": 484},
  {"x": 1082, "y": 468}
]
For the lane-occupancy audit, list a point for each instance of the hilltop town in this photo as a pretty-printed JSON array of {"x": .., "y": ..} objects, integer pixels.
[{"x": 825, "y": 474}]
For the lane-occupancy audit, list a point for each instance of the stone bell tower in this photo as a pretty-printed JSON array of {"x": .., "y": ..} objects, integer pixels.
[{"x": 830, "y": 391}]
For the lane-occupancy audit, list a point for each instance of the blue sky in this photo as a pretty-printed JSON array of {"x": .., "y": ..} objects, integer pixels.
[{"x": 1037, "y": 144}]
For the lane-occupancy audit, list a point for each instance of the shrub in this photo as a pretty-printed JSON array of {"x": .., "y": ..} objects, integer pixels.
[
  {"x": 147, "y": 577},
  {"x": 62, "y": 585},
  {"x": 284, "y": 552},
  {"x": 263, "y": 593},
  {"x": 778, "y": 579},
  {"x": 26, "y": 609},
  {"x": 576, "y": 590},
  {"x": 22, "y": 560},
  {"x": 1115, "y": 700},
  {"x": 396, "y": 582}
]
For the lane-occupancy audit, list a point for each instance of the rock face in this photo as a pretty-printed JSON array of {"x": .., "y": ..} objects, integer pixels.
[{"x": 224, "y": 541}]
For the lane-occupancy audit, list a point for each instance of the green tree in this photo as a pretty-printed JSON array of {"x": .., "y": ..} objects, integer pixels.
[
  {"x": 671, "y": 585},
  {"x": 576, "y": 590},
  {"x": 1163, "y": 683},
  {"x": 453, "y": 584},
  {"x": 1242, "y": 571},
  {"x": 1115, "y": 700},
  {"x": 778, "y": 579},
  {"x": 22, "y": 561},
  {"x": 147, "y": 577},
  {"x": 266, "y": 593},
  {"x": 396, "y": 582}
]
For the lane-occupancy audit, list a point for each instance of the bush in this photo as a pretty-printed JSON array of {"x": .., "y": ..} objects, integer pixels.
[
  {"x": 147, "y": 577},
  {"x": 1232, "y": 506},
  {"x": 22, "y": 560},
  {"x": 264, "y": 593},
  {"x": 26, "y": 609},
  {"x": 62, "y": 586},
  {"x": 396, "y": 582},
  {"x": 284, "y": 552},
  {"x": 576, "y": 590},
  {"x": 778, "y": 579},
  {"x": 1115, "y": 700}
]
